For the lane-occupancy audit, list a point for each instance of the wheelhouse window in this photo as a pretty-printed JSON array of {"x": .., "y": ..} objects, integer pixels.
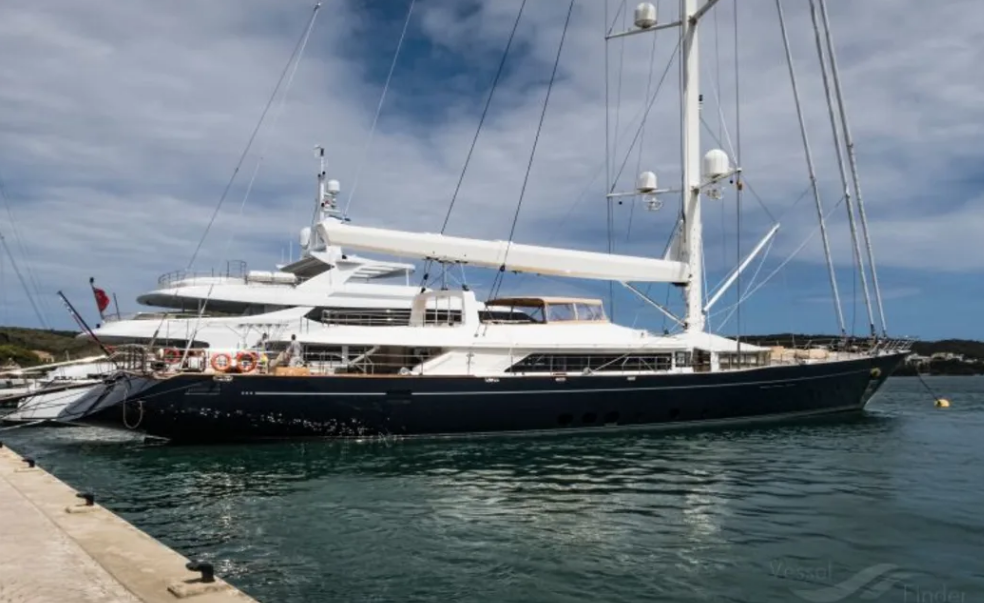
[
  {"x": 561, "y": 312},
  {"x": 543, "y": 309}
]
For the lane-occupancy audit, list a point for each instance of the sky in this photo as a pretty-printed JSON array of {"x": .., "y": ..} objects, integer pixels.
[{"x": 122, "y": 124}]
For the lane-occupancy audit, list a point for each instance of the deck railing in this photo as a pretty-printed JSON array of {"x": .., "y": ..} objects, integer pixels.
[{"x": 234, "y": 269}]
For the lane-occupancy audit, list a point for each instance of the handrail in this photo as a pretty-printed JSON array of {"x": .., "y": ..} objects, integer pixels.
[{"x": 235, "y": 269}]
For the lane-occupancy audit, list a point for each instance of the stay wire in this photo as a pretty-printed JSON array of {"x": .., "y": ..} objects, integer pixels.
[
  {"x": 276, "y": 120},
  {"x": 379, "y": 109},
  {"x": 485, "y": 111},
  {"x": 529, "y": 166},
  {"x": 252, "y": 137},
  {"x": 31, "y": 277},
  {"x": 738, "y": 182},
  {"x": 478, "y": 130},
  {"x": 20, "y": 277},
  {"x": 642, "y": 137}
]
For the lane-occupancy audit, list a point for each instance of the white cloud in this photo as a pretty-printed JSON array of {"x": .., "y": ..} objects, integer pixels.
[{"x": 122, "y": 123}]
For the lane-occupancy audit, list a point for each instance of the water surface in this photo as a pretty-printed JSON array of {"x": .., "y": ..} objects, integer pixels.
[{"x": 888, "y": 505}]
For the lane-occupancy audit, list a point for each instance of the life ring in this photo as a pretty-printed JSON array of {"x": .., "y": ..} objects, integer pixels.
[
  {"x": 172, "y": 355},
  {"x": 246, "y": 361},
  {"x": 224, "y": 365},
  {"x": 875, "y": 373}
]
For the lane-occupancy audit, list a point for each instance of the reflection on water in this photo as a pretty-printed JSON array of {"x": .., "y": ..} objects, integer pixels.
[{"x": 690, "y": 516}]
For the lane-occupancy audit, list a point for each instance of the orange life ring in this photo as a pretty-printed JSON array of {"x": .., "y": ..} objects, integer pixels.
[
  {"x": 223, "y": 366},
  {"x": 172, "y": 355},
  {"x": 246, "y": 361}
]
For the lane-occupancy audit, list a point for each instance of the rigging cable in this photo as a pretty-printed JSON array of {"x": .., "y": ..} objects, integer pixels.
[
  {"x": 839, "y": 312},
  {"x": 608, "y": 138},
  {"x": 497, "y": 283},
  {"x": 27, "y": 290},
  {"x": 795, "y": 252},
  {"x": 256, "y": 129},
  {"x": 478, "y": 130},
  {"x": 840, "y": 165},
  {"x": 31, "y": 277},
  {"x": 249, "y": 187},
  {"x": 3, "y": 290},
  {"x": 642, "y": 137},
  {"x": 618, "y": 114},
  {"x": 276, "y": 120},
  {"x": 379, "y": 108},
  {"x": 738, "y": 185},
  {"x": 852, "y": 161}
]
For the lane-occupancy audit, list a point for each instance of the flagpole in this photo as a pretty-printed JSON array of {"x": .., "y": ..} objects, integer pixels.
[
  {"x": 81, "y": 322},
  {"x": 117, "y": 304},
  {"x": 92, "y": 285}
]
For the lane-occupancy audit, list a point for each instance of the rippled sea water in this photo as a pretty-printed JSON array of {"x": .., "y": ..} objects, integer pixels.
[{"x": 884, "y": 507}]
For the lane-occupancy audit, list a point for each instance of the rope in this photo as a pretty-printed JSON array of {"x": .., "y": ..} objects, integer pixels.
[
  {"x": 379, "y": 108},
  {"x": 936, "y": 398},
  {"x": 529, "y": 166},
  {"x": 256, "y": 130}
]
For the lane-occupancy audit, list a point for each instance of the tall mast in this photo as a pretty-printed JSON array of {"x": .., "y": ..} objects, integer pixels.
[
  {"x": 690, "y": 137},
  {"x": 691, "y": 179}
]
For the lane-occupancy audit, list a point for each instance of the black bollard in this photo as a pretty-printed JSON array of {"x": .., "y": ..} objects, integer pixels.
[
  {"x": 208, "y": 573},
  {"x": 88, "y": 497},
  {"x": 30, "y": 462}
]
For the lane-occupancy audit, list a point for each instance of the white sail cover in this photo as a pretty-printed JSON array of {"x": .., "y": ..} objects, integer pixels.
[{"x": 521, "y": 258}]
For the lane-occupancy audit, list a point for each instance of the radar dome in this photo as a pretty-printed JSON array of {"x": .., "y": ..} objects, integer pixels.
[
  {"x": 645, "y": 15},
  {"x": 305, "y": 237},
  {"x": 647, "y": 182},
  {"x": 716, "y": 164},
  {"x": 334, "y": 187}
]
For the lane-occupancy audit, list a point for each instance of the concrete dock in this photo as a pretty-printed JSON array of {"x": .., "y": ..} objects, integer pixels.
[{"x": 57, "y": 548}]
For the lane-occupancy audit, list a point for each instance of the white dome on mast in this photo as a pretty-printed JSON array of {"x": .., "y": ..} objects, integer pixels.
[
  {"x": 716, "y": 164},
  {"x": 647, "y": 182},
  {"x": 645, "y": 15}
]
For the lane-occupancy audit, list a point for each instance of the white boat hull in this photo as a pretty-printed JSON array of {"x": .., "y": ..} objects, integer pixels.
[{"x": 45, "y": 406}]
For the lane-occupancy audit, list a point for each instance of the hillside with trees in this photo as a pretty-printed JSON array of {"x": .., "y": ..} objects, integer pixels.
[{"x": 22, "y": 346}]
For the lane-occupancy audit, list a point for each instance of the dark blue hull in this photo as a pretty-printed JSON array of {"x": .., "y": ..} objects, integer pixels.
[{"x": 204, "y": 409}]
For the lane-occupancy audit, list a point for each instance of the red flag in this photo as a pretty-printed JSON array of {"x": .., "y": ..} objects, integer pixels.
[{"x": 102, "y": 300}]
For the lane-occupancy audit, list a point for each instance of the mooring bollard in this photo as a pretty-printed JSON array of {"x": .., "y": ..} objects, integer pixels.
[
  {"x": 88, "y": 497},
  {"x": 206, "y": 569}
]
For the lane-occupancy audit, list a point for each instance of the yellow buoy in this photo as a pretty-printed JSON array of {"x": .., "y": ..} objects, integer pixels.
[{"x": 942, "y": 403}]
